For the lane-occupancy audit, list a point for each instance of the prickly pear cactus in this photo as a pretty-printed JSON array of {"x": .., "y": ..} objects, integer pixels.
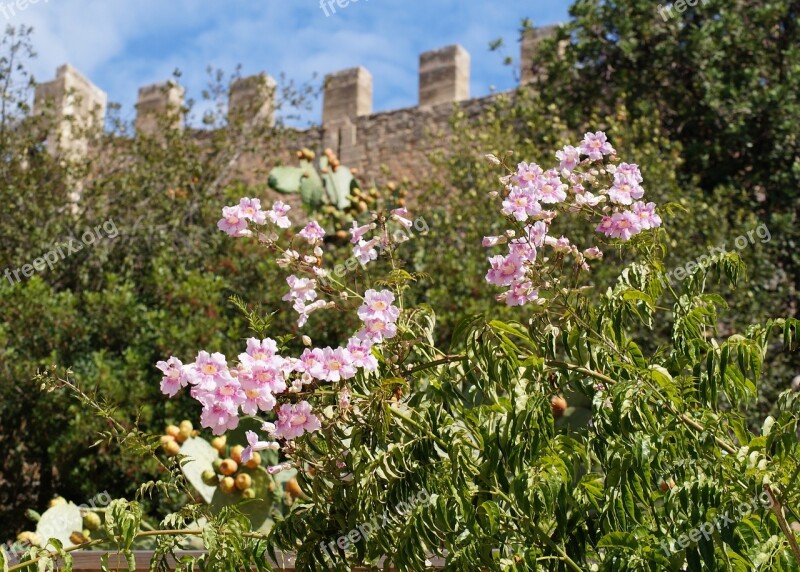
[
  {"x": 217, "y": 474},
  {"x": 330, "y": 185}
]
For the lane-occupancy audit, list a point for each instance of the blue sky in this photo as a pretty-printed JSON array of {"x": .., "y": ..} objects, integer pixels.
[{"x": 121, "y": 45}]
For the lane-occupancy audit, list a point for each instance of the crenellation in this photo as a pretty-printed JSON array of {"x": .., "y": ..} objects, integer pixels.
[
  {"x": 78, "y": 108},
  {"x": 399, "y": 141},
  {"x": 443, "y": 76},
  {"x": 157, "y": 103},
  {"x": 252, "y": 98}
]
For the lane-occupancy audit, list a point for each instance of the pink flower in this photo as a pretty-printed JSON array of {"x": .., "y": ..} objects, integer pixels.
[
  {"x": 233, "y": 222},
  {"x": 258, "y": 396},
  {"x": 174, "y": 378},
  {"x": 312, "y": 232},
  {"x": 625, "y": 190},
  {"x": 259, "y": 350},
  {"x": 489, "y": 241},
  {"x": 559, "y": 245},
  {"x": 358, "y": 232},
  {"x": 376, "y": 330},
  {"x": 630, "y": 171},
  {"x": 207, "y": 369},
  {"x": 305, "y": 309},
  {"x": 528, "y": 175},
  {"x": 270, "y": 374},
  {"x": 552, "y": 189},
  {"x": 278, "y": 214},
  {"x": 626, "y": 224},
  {"x": 647, "y": 215},
  {"x": 251, "y": 210},
  {"x": 295, "y": 420},
  {"x": 308, "y": 360},
  {"x": 254, "y": 445},
  {"x": 606, "y": 226},
  {"x": 300, "y": 289},
  {"x": 519, "y": 294},
  {"x": 378, "y": 305},
  {"x": 361, "y": 354},
  {"x": 218, "y": 418},
  {"x": 587, "y": 199},
  {"x": 593, "y": 253},
  {"x": 569, "y": 158},
  {"x": 336, "y": 365},
  {"x": 521, "y": 203},
  {"x": 595, "y": 145},
  {"x": 365, "y": 251},
  {"x": 401, "y": 216},
  {"x": 505, "y": 269}
]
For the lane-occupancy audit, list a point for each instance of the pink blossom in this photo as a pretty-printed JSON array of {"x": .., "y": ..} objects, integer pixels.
[
  {"x": 305, "y": 309},
  {"x": 593, "y": 253},
  {"x": 569, "y": 158},
  {"x": 174, "y": 378},
  {"x": 207, "y": 369},
  {"x": 361, "y": 354},
  {"x": 258, "y": 396},
  {"x": 552, "y": 189},
  {"x": 625, "y": 190},
  {"x": 365, "y": 251},
  {"x": 559, "y": 245},
  {"x": 630, "y": 171},
  {"x": 378, "y": 305},
  {"x": 358, "y": 232},
  {"x": 278, "y": 214},
  {"x": 588, "y": 199},
  {"x": 376, "y": 330},
  {"x": 489, "y": 241},
  {"x": 233, "y": 222},
  {"x": 401, "y": 216},
  {"x": 647, "y": 215},
  {"x": 521, "y": 203},
  {"x": 218, "y": 418},
  {"x": 528, "y": 175},
  {"x": 606, "y": 226},
  {"x": 505, "y": 269},
  {"x": 251, "y": 210},
  {"x": 312, "y": 232},
  {"x": 520, "y": 293},
  {"x": 595, "y": 145},
  {"x": 259, "y": 350},
  {"x": 295, "y": 420},
  {"x": 254, "y": 445},
  {"x": 626, "y": 224},
  {"x": 270, "y": 374},
  {"x": 309, "y": 359},
  {"x": 335, "y": 365},
  {"x": 302, "y": 289}
]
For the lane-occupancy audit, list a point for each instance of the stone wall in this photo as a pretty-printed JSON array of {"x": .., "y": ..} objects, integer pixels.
[{"x": 381, "y": 146}]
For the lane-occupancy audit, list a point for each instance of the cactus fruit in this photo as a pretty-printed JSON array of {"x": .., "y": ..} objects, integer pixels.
[
  {"x": 209, "y": 477},
  {"x": 558, "y": 405},
  {"x": 217, "y": 466},
  {"x": 219, "y": 443},
  {"x": 227, "y": 485},
  {"x": 249, "y": 493},
  {"x": 29, "y": 537},
  {"x": 173, "y": 431},
  {"x": 243, "y": 481},
  {"x": 228, "y": 467},
  {"x": 255, "y": 461},
  {"x": 57, "y": 501},
  {"x": 91, "y": 521},
  {"x": 172, "y": 448},
  {"x": 78, "y": 538},
  {"x": 293, "y": 488},
  {"x": 236, "y": 453}
]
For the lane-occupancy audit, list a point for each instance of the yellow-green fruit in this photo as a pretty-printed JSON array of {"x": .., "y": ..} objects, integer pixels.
[
  {"x": 29, "y": 537},
  {"x": 293, "y": 488},
  {"x": 173, "y": 431},
  {"x": 57, "y": 501},
  {"x": 227, "y": 485},
  {"x": 341, "y": 234},
  {"x": 91, "y": 521},
  {"x": 172, "y": 448},
  {"x": 255, "y": 461},
  {"x": 249, "y": 494},
  {"x": 217, "y": 466},
  {"x": 166, "y": 439},
  {"x": 236, "y": 453},
  {"x": 78, "y": 538},
  {"x": 186, "y": 429},
  {"x": 373, "y": 192},
  {"x": 209, "y": 477},
  {"x": 362, "y": 207},
  {"x": 243, "y": 481},
  {"x": 219, "y": 443},
  {"x": 228, "y": 467}
]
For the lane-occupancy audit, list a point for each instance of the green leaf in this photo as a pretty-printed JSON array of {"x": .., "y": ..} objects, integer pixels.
[{"x": 285, "y": 179}]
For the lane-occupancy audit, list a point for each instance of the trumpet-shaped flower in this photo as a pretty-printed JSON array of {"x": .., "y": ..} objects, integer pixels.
[{"x": 295, "y": 420}]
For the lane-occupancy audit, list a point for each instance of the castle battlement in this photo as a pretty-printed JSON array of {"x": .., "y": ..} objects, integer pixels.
[{"x": 390, "y": 139}]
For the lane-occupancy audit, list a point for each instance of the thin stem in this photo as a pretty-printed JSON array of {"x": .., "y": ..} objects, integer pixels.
[{"x": 777, "y": 508}]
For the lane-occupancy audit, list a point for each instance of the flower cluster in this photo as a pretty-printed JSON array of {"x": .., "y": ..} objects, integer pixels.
[
  {"x": 235, "y": 219},
  {"x": 586, "y": 180}
]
